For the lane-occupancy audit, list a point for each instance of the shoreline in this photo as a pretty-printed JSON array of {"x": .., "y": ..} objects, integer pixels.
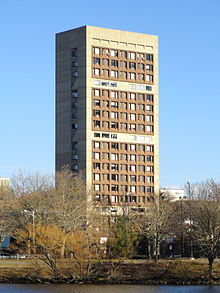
[{"x": 174, "y": 272}]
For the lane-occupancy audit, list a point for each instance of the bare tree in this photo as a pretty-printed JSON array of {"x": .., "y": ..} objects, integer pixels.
[
  {"x": 153, "y": 224},
  {"x": 204, "y": 212},
  {"x": 26, "y": 183}
]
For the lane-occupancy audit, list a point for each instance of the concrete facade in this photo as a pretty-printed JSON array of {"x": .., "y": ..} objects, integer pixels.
[{"x": 90, "y": 60}]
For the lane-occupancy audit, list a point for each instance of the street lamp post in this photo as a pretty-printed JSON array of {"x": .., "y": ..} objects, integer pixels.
[
  {"x": 32, "y": 213},
  {"x": 190, "y": 219}
]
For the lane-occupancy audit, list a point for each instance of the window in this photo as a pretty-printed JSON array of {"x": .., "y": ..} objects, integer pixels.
[
  {"x": 149, "y": 67},
  {"x": 75, "y": 52},
  {"x": 141, "y": 97},
  {"x": 141, "y": 117},
  {"x": 75, "y": 145},
  {"x": 132, "y": 106},
  {"x": 114, "y": 187},
  {"x": 74, "y": 105},
  {"x": 140, "y": 76},
  {"x": 123, "y": 75},
  {"x": 133, "y": 168},
  {"x": 97, "y": 145},
  {"x": 133, "y": 188},
  {"x": 96, "y": 103},
  {"x": 114, "y": 177},
  {"x": 132, "y": 147},
  {"x": 150, "y": 128},
  {"x": 114, "y": 125},
  {"x": 114, "y": 167},
  {"x": 97, "y": 187},
  {"x": 150, "y": 118},
  {"x": 96, "y": 166},
  {"x": 132, "y": 157},
  {"x": 97, "y": 124},
  {"x": 150, "y": 189},
  {"x": 74, "y": 64},
  {"x": 132, "y": 117},
  {"x": 114, "y": 53},
  {"x": 97, "y": 177},
  {"x": 114, "y": 157},
  {"x": 141, "y": 127},
  {"x": 150, "y": 158},
  {"x": 150, "y": 169},
  {"x": 149, "y": 78},
  {"x": 75, "y": 167},
  {"x": 132, "y": 96},
  {"x": 74, "y": 73},
  {"x": 150, "y": 179},
  {"x": 97, "y": 82},
  {"x": 114, "y": 115},
  {"x": 96, "y": 61},
  {"x": 150, "y": 98},
  {"x": 114, "y": 94},
  {"x": 150, "y": 148},
  {"x": 96, "y": 51},
  {"x": 114, "y": 104},
  {"x": 133, "y": 178},
  {"x": 140, "y": 66},
  {"x": 105, "y": 62},
  {"x": 105, "y": 52},
  {"x": 97, "y": 156},
  {"x": 75, "y": 157},
  {"x": 74, "y": 94},
  {"x": 132, "y": 127},
  {"x": 74, "y": 125},
  {"x": 149, "y": 57},
  {"x": 149, "y": 108},
  {"x": 132, "y": 55},
  {"x": 114, "y": 63},
  {"x": 149, "y": 88},
  {"x": 114, "y": 73},
  {"x": 132, "y": 75},
  {"x": 97, "y": 93},
  {"x": 74, "y": 115},
  {"x": 96, "y": 71},
  {"x": 132, "y": 65},
  {"x": 97, "y": 198},
  {"x": 114, "y": 145},
  {"x": 141, "y": 107}
]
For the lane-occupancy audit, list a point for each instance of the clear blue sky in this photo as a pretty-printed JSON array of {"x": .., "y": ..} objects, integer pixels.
[{"x": 189, "y": 36}]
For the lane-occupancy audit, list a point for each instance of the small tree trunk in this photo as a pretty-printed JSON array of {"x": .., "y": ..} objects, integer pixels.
[
  {"x": 149, "y": 250},
  {"x": 211, "y": 261},
  {"x": 62, "y": 249},
  {"x": 155, "y": 250},
  {"x": 158, "y": 250}
]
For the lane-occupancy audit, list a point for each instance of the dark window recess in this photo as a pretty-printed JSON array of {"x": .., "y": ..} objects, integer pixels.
[
  {"x": 74, "y": 94},
  {"x": 75, "y": 52},
  {"x": 74, "y": 145},
  {"x": 74, "y": 125},
  {"x": 75, "y": 64},
  {"x": 74, "y": 105},
  {"x": 96, "y": 134}
]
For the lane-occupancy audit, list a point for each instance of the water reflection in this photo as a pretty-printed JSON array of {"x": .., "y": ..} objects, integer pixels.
[{"x": 20, "y": 288}]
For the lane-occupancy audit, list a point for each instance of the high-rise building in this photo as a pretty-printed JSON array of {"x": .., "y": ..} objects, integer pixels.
[{"x": 107, "y": 112}]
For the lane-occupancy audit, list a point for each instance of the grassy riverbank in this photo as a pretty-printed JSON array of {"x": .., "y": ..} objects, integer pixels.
[{"x": 128, "y": 272}]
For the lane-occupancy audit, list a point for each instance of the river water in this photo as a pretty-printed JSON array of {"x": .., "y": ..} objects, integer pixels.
[{"x": 51, "y": 288}]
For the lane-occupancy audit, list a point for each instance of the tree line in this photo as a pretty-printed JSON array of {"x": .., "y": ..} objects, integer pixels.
[{"x": 53, "y": 222}]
